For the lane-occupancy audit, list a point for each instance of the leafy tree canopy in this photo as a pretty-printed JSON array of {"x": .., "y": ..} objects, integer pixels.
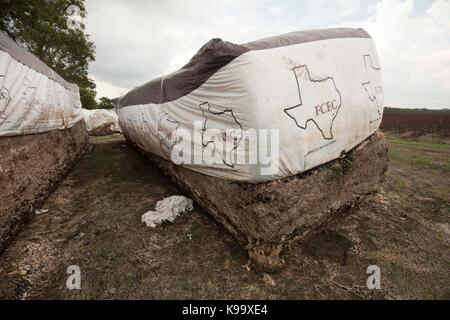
[
  {"x": 106, "y": 103},
  {"x": 87, "y": 97},
  {"x": 41, "y": 27}
]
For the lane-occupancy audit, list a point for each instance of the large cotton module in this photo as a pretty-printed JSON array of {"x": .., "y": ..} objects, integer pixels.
[{"x": 274, "y": 138}]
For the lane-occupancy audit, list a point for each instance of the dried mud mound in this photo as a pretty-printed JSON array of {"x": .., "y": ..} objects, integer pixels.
[
  {"x": 265, "y": 217},
  {"x": 30, "y": 168}
]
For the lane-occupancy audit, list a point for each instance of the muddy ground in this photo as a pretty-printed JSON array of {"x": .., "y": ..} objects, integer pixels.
[{"x": 94, "y": 222}]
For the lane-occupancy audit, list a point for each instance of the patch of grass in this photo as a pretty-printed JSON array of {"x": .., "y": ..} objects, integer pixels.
[
  {"x": 417, "y": 160},
  {"x": 398, "y": 183},
  {"x": 419, "y": 144}
]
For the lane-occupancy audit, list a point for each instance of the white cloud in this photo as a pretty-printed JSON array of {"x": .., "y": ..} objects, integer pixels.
[
  {"x": 106, "y": 89},
  {"x": 414, "y": 52},
  {"x": 139, "y": 40}
]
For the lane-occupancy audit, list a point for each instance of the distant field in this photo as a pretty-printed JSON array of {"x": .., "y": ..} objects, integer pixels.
[{"x": 413, "y": 123}]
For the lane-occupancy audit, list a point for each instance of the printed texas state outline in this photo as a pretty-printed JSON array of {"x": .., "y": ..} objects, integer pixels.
[
  {"x": 4, "y": 101},
  {"x": 224, "y": 141},
  {"x": 167, "y": 131},
  {"x": 320, "y": 101},
  {"x": 373, "y": 86}
]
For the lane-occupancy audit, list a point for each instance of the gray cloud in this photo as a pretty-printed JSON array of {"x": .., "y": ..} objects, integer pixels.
[{"x": 139, "y": 40}]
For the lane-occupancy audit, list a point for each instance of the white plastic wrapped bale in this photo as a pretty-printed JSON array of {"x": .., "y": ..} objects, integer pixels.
[
  {"x": 33, "y": 98},
  {"x": 101, "y": 122},
  {"x": 41, "y": 134},
  {"x": 317, "y": 93}
]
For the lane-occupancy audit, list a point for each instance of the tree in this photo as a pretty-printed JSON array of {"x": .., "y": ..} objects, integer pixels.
[
  {"x": 87, "y": 97},
  {"x": 106, "y": 103},
  {"x": 41, "y": 27}
]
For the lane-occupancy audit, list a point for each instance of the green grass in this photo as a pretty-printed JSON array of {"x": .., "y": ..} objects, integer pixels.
[
  {"x": 411, "y": 152},
  {"x": 419, "y": 161}
]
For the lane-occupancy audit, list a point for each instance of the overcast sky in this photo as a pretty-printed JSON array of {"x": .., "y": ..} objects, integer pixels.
[{"x": 142, "y": 39}]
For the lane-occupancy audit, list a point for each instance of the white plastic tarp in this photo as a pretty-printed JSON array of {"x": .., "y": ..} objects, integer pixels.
[
  {"x": 315, "y": 94},
  {"x": 33, "y": 98},
  {"x": 102, "y": 120}
]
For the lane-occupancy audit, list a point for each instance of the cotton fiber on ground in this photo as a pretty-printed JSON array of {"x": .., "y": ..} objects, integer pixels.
[{"x": 167, "y": 210}]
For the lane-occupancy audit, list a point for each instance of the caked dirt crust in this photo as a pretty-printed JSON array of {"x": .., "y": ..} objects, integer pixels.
[
  {"x": 94, "y": 222},
  {"x": 30, "y": 168},
  {"x": 266, "y": 217}
]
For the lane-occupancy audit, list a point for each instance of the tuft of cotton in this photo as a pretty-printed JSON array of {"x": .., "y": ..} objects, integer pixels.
[{"x": 167, "y": 210}]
